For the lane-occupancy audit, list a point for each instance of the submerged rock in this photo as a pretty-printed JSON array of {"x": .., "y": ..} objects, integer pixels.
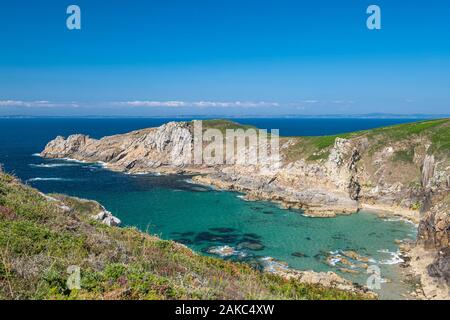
[
  {"x": 225, "y": 251},
  {"x": 355, "y": 256},
  {"x": 299, "y": 254},
  {"x": 251, "y": 245}
]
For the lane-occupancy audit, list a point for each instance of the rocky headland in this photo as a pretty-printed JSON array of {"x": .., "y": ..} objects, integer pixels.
[{"x": 402, "y": 170}]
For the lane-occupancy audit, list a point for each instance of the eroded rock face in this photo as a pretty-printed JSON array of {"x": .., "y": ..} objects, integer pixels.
[
  {"x": 428, "y": 169},
  {"x": 138, "y": 151},
  {"x": 434, "y": 228},
  {"x": 440, "y": 268}
]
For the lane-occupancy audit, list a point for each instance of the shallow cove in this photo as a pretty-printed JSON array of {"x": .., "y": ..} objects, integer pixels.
[
  {"x": 221, "y": 223},
  {"x": 209, "y": 221}
]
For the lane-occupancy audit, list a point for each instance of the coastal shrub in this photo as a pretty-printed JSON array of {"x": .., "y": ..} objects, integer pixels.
[
  {"x": 403, "y": 156},
  {"x": 23, "y": 237},
  {"x": 53, "y": 285},
  {"x": 114, "y": 271},
  {"x": 92, "y": 281}
]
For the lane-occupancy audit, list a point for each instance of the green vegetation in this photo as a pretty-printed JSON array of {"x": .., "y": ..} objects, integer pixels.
[
  {"x": 441, "y": 139},
  {"x": 406, "y": 130},
  {"x": 437, "y": 132},
  {"x": 416, "y": 205},
  {"x": 224, "y": 125},
  {"x": 404, "y": 156},
  {"x": 316, "y": 148},
  {"x": 40, "y": 237}
]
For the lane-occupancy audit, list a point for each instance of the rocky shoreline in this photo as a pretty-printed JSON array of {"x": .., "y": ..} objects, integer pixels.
[
  {"x": 416, "y": 270},
  {"x": 368, "y": 171}
]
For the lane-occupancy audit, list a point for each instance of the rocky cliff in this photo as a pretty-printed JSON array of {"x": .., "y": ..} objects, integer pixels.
[{"x": 402, "y": 170}]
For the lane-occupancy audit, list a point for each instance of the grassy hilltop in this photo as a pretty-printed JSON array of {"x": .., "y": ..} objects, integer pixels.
[
  {"x": 436, "y": 132},
  {"x": 40, "y": 238}
]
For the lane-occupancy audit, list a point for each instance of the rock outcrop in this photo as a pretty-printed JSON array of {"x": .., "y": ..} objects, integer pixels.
[
  {"x": 433, "y": 233},
  {"x": 107, "y": 218}
]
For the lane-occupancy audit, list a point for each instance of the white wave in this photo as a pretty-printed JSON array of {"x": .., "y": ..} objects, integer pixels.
[
  {"x": 150, "y": 173},
  {"x": 49, "y": 179},
  {"x": 73, "y": 160},
  {"x": 52, "y": 165},
  {"x": 395, "y": 257},
  {"x": 243, "y": 198},
  {"x": 334, "y": 260},
  {"x": 226, "y": 251},
  {"x": 36, "y": 155},
  {"x": 400, "y": 219},
  {"x": 272, "y": 265},
  {"x": 102, "y": 164}
]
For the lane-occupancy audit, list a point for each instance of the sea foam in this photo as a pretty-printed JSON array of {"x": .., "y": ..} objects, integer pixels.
[
  {"x": 52, "y": 165},
  {"x": 49, "y": 179},
  {"x": 395, "y": 257}
]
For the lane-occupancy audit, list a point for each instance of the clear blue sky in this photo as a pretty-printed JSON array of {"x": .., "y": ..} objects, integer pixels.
[{"x": 224, "y": 57}]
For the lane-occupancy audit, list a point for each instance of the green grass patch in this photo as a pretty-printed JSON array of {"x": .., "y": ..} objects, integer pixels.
[
  {"x": 403, "y": 156},
  {"x": 224, "y": 125}
]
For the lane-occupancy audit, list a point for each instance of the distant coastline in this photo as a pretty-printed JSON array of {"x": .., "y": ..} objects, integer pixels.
[{"x": 281, "y": 116}]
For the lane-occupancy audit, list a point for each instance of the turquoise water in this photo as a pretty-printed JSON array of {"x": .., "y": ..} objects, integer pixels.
[{"x": 207, "y": 220}]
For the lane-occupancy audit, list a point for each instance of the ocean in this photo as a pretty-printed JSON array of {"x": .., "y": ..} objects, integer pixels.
[{"x": 210, "y": 221}]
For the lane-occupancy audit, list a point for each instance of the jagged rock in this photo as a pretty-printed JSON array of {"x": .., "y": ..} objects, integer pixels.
[
  {"x": 111, "y": 221},
  {"x": 427, "y": 170},
  {"x": 440, "y": 268},
  {"x": 354, "y": 188},
  {"x": 434, "y": 228},
  {"x": 107, "y": 218},
  {"x": 138, "y": 151},
  {"x": 355, "y": 256}
]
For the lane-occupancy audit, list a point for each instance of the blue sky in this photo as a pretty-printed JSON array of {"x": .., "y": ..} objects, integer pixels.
[{"x": 224, "y": 57}]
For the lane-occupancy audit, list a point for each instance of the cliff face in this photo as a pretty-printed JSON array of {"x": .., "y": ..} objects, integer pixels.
[{"x": 138, "y": 151}]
